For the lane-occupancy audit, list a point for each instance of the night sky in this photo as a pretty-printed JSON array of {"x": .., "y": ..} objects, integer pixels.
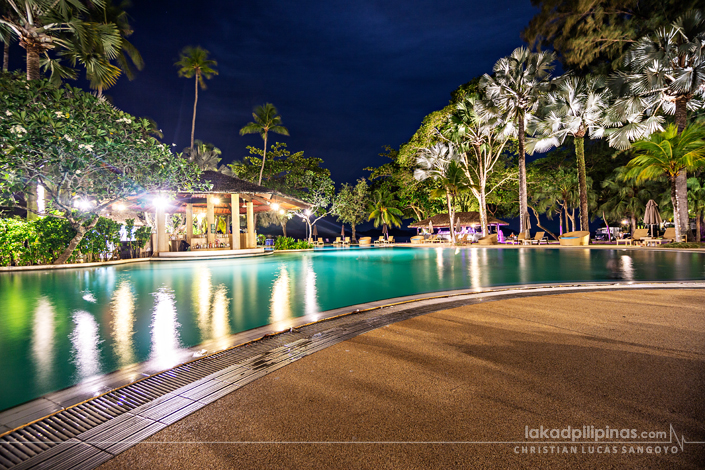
[{"x": 347, "y": 77}]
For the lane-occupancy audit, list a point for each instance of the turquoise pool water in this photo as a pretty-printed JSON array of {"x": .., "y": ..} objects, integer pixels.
[{"x": 58, "y": 328}]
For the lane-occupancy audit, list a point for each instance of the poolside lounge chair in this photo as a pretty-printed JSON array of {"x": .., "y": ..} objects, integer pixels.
[
  {"x": 488, "y": 240},
  {"x": 669, "y": 236},
  {"x": 432, "y": 239},
  {"x": 577, "y": 238},
  {"x": 390, "y": 240},
  {"x": 463, "y": 240},
  {"x": 319, "y": 242},
  {"x": 636, "y": 237},
  {"x": 538, "y": 238},
  {"x": 346, "y": 241},
  {"x": 380, "y": 240},
  {"x": 338, "y": 241},
  {"x": 519, "y": 239}
]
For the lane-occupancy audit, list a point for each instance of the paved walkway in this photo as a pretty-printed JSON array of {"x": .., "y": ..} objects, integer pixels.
[{"x": 625, "y": 359}]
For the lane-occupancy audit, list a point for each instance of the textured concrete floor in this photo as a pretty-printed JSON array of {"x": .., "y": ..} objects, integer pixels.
[{"x": 626, "y": 359}]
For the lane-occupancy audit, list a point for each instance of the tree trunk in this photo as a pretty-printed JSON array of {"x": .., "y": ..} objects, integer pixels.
[
  {"x": 450, "y": 217},
  {"x": 6, "y": 57},
  {"x": 264, "y": 157},
  {"x": 682, "y": 179},
  {"x": 560, "y": 222},
  {"x": 674, "y": 201},
  {"x": 283, "y": 224},
  {"x": 483, "y": 211},
  {"x": 698, "y": 233},
  {"x": 81, "y": 231},
  {"x": 582, "y": 182},
  {"x": 565, "y": 208},
  {"x": 523, "y": 201},
  {"x": 538, "y": 223},
  {"x": 352, "y": 226},
  {"x": 32, "y": 64},
  {"x": 633, "y": 227},
  {"x": 193, "y": 120}
]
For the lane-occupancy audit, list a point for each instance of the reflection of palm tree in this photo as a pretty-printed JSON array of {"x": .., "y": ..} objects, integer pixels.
[
  {"x": 194, "y": 62},
  {"x": 668, "y": 154},
  {"x": 577, "y": 107},
  {"x": 205, "y": 156},
  {"x": 383, "y": 210},
  {"x": 266, "y": 119},
  {"x": 519, "y": 82}
]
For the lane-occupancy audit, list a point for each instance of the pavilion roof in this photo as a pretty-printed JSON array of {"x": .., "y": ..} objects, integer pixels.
[{"x": 467, "y": 219}]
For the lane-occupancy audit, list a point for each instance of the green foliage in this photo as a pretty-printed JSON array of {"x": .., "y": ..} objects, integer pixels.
[
  {"x": 383, "y": 210},
  {"x": 42, "y": 241},
  {"x": 350, "y": 204},
  {"x": 288, "y": 243},
  {"x": 261, "y": 238},
  {"x": 596, "y": 34},
  {"x": 204, "y": 155},
  {"x": 80, "y": 149},
  {"x": 682, "y": 245},
  {"x": 194, "y": 62}
]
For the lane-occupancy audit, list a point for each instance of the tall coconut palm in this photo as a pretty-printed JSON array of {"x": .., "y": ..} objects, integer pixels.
[
  {"x": 383, "y": 209},
  {"x": 440, "y": 163},
  {"x": 44, "y": 25},
  {"x": 194, "y": 62},
  {"x": 577, "y": 107},
  {"x": 6, "y": 39},
  {"x": 519, "y": 82},
  {"x": 266, "y": 119},
  {"x": 669, "y": 153},
  {"x": 666, "y": 72}
]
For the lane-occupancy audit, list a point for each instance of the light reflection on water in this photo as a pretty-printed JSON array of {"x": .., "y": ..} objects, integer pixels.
[{"x": 152, "y": 311}]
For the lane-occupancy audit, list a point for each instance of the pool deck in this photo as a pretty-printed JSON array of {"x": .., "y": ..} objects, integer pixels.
[{"x": 457, "y": 387}]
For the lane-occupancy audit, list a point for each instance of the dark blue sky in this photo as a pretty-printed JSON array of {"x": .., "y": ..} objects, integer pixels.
[{"x": 347, "y": 77}]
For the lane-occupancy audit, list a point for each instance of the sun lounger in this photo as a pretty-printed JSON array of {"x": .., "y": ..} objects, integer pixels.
[
  {"x": 538, "y": 238},
  {"x": 338, "y": 241},
  {"x": 637, "y": 237},
  {"x": 346, "y": 241},
  {"x": 577, "y": 238},
  {"x": 669, "y": 236},
  {"x": 488, "y": 240},
  {"x": 380, "y": 240},
  {"x": 390, "y": 240}
]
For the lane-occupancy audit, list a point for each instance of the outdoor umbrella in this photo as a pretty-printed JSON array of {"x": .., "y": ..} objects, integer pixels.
[
  {"x": 430, "y": 227},
  {"x": 315, "y": 232},
  {"x": 651, "y": 215},
  {"x": 342, "y": 231},
  {"x": 458, "y": 228}
]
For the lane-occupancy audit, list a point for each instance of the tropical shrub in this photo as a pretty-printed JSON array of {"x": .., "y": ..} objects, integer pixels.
[{"x": 288, "y": 243}]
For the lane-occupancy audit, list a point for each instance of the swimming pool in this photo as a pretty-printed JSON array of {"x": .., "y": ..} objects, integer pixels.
[{"x": 61, "y": 327}]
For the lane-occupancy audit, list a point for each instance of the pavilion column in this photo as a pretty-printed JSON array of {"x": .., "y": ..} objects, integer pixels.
[
  {"x": 235, "y": 217},
  {"x": 210, "y": 219},
  {"x": 189, "y": 223},
  {"x": 162, "y": 239},
  {"x": 251, "y": 242}
]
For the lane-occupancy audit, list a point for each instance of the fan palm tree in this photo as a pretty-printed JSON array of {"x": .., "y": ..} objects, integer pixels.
[
  {"x": 519, "y": 82},
  {"x": 204, "y": 155},
  {"x": 669, "y": 153},
  {"x": 266, "y": 118},
  {"x": 383, "y": 210},
  {"x": 440, "y": 163},
  {"x": 666, "y": 73},
  {"x": 194, "y": 62},
  {"x": 576, "y": 107}
]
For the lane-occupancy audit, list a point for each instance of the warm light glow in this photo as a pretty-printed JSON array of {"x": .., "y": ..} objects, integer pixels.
[
  {"x": 85, "y": 340},
  {"x": 275, "y": 206},
  {"x": 282, "y": 211},
  {"x": 43, "y": 339},
  {"x": 165, "y": 329},
  {"x": 307, "y": 212},
  {"x": 310, "y": 296},
  {"x": 41, "y": 204},
  {"x": 221, "y": 324},
  {"x": 216, "y": 200},
  {"x": 159, "y": 202},
  {"x": 81, "y": 204},
  {"x": 625, "y": 222},
  {"x": 119, "y": 207},
  {"x": 280, "y": 304},
  {"x": 122, "y": 306}
]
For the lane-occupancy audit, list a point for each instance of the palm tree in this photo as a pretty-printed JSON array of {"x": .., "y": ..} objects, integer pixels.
[
  {"x": 519, "y": 82},
  {"x": 42, "y": 25},
  {"x": 669, "y": 153},
  {"x": 696, "y": 204},
  {"x": 576, "y": 107},
  {"x": 383, "y": 210},
  {"x": 266, "y": 118},
  {"x": 666, "y": 73},
  {"x": 625, "y": 197},
  {"x": 194, "y": 62},
  {"x": 205, "y": 156},
  {"x": 440, "y": 163},
  {"x": 6, "y": 39}
]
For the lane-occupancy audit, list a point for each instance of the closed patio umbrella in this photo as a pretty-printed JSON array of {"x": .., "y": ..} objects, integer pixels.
[
  {"x": 651, "y": 215},
  {"x": 527, "y": 223},
  {"x": 315, "y": 232},
  {"x": 342, "y": 231},
  {"x": 458, "y": 228}
]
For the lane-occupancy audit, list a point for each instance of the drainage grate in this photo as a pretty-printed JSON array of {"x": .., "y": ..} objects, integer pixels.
[{"x": 90, "y": 433}]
